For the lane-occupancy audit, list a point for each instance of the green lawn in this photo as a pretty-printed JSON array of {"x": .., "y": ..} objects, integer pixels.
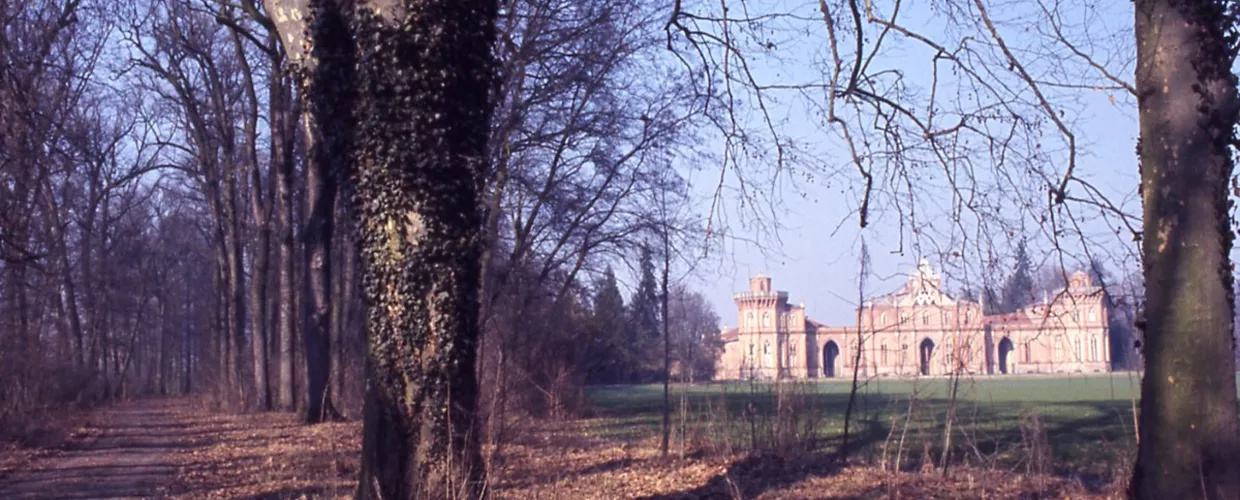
[{"x": 1086, "y": 421}]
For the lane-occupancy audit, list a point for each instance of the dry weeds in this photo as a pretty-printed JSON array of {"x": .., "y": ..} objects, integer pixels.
[{"x": 273, "y": 456}]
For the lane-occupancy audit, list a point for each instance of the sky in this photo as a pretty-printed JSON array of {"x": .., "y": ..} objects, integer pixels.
[{"x": 814, "y": 254}]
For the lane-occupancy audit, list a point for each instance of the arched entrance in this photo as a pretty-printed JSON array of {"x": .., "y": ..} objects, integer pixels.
[
  {"x": 926, "y": 351},
  {"x": 1005, "y": 351},
  {"x": 830, "y": 353}
]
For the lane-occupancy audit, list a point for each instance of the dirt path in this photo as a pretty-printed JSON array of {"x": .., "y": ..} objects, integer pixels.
[{"x": 131, "y": 456}]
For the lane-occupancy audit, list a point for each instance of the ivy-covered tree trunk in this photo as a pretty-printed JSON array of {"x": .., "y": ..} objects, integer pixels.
[
  {"x": 424, "y": 78},
  {"x": 1190, "y": 438},
  {"x": 416, "y": 75}
]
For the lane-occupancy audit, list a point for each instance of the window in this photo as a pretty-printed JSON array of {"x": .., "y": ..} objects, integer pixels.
[
  {"x": 766, "y": 354},
  {"x": 1028, "y": 352},
  {"x": 749, "y": 320},
  {"x": 947, "y": 354},
  {"x": 925, "y": 318},
  {"x": 968, "y": 317},
  {"x": 766, "y": 320},
  {"x": 1076, "y": 316},
  {"x": 883, "y": 359},
  {"x": 1080, "y": 356},
  {"x": 792, "y": 352},
  {"x": 903, "y": 353},
  {"x": 1093, "y": 315},
  {"x": 1093, "y": 348},
  {"x": 882, "y": 319},
  {"x": 947, "y": 317},
  {"x": 1058, "y": 350}
]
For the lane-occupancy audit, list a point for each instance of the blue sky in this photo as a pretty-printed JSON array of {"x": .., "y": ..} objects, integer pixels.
[{"x": 814, "y": 253}]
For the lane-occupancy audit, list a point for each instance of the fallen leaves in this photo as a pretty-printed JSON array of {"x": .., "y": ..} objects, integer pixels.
[{"x": 273, "y": 455}]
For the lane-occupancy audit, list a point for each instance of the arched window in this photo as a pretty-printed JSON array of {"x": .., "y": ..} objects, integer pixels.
[
  {"x": 1080, "y": 356},
  {"x": 882, "y": 319},
  {"x": 792, "y": 352},
  {"x": 766, "y": 320},
  {"x": 925, "y": 319},
  {"x": 883, "y": 354},
  {"x": 1028, "y": 352},
  {"x": 749, "y": 320},
  {"x": 947, "y": 317},
  {"x": 968, "y": 317},
  {"x": 1093, "y": 315},
  {"x": 766, "y": 354},
  {"x": 1093, "y": 348},
  {"x": 1076, "y": 316}
]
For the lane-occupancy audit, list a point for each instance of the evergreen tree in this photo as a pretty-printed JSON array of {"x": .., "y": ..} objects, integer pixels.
[
  {"x": 992, "y": 304},
  {"x": 646, "y": 301},
  {"x": 610, "y": 355},
  {"x": 644, "y": 322},
  {"x": 1098, "y": 274},
  {"x": 1018, "y": 289}
]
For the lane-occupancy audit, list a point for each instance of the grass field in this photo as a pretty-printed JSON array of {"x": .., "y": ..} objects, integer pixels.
[{"x": 1083, "y": 421}]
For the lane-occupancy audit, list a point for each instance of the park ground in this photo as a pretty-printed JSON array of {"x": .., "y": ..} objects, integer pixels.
[{"x": 1012, "y": 438}]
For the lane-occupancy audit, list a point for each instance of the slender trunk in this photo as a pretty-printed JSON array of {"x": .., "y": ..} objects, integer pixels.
[
  {"x": 852, "y": 391},
  {"x": 1190, "y": 438},
  {"x": 340, "y": 305},
  {"x": 320, "y": 218},
  {"x": 236, "y": 290},
  {"x": 667, "y": 352},
  {"x": 219, "y": 280},
  {"x": 262, "y": 226},
  {"x": 282, "y": 161},
  {"x": 163, "y": 343}
]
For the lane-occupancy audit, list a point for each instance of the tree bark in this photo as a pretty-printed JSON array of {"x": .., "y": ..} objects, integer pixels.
[
  {"x": 322, "y": 168},
  {"x": 417, "y": 197},
  {"x": 1189, "y": 435},
  {"x": 262, "y": 228},
  {"x": 667, "y": 342},
  {"x": 418, "y": 74},
  {"x": 282, "y": 162}
]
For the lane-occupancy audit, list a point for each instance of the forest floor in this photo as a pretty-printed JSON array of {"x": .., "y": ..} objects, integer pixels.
[{"x": 173, "y": 448}]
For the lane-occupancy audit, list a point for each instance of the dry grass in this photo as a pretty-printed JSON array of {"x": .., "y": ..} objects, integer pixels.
[{"x": 272, "y": 456}]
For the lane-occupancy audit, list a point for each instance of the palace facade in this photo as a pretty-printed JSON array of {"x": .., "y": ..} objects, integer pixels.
[{"x": 917, "y": 330}]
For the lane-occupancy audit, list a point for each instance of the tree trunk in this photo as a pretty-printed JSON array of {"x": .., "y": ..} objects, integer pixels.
[
  {"x": 236, "y": 288},
  {"x": 340, "y": 306},
  {"x": 420, "y": 237},
  {"x": 667, "y": 343},
  {"x": 321, "y": 171},
  {"x": 1189, "y": 436},
  {"x": 262, "y": 228},
  {"x": 282, "y": 162},
  {"x": 418, "y": 86}
]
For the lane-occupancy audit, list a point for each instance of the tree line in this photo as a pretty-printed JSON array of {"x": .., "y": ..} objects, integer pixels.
[
  {"x": 242, "y": 200},
  {"x": 189, "y": 206}
]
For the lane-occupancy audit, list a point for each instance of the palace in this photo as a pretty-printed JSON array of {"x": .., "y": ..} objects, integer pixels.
[{"x": 918, "y": 330}]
